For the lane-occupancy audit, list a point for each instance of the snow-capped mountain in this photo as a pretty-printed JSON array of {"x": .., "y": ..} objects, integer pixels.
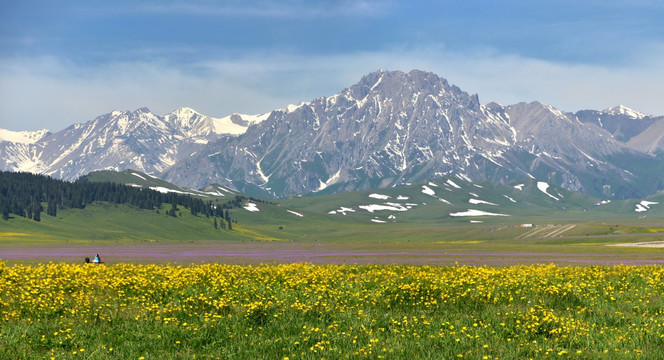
[
  {"x": 390, "y": 128},
  {"x": 118, "y": 140},
  {"x": 393, "y": 128},
  {"x": 623, "y": 110}
]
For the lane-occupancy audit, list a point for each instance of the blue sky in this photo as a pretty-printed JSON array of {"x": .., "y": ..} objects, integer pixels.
[{"x": 66, "y": 62}]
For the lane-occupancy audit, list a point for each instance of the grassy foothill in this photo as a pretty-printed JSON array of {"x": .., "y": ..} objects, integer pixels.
[{"x": 303, "y": 311}]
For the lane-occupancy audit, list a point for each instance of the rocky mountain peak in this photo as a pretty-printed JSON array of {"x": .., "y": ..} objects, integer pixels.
[
  {"x": 23, "y": 137},
  {"x": 623, "y": 110},
  {"x": 390, "y": 128}
]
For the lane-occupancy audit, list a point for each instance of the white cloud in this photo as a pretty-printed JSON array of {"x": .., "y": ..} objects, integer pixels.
[{"x": 51, "y": 93}]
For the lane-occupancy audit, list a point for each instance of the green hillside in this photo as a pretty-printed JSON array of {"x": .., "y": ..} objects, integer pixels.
[
  {"x": 439, "y": 216},
  {"x": 441, "y": 211}
]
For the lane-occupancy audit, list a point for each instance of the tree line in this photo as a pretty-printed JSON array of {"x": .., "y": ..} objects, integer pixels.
[{"x": 25, "y": 194}]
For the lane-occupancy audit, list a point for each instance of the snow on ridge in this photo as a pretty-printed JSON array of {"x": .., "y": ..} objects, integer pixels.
[
  {"x": 473, "y": 212},
  {"x": 623, "y": 110},
  {"x": 290, "y": 107},
  {"x": 332, "y": 180},
  {"x": 379, "y": 196},
  {"x": 164, "y": 190},
  {"x": 543, "y": 186},
  {"x": 22, "y": 137},
  {"x": 138, "y": 175},
  {"x": 478, "y": 201},
  {"x": 251, "y": 207}
]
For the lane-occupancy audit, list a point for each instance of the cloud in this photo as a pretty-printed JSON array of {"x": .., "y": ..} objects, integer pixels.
[
  {"x": 275, "y": 9},
  {"x": 53, "y": 93}
]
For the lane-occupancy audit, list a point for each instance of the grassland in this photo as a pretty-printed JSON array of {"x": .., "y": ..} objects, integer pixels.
[
  {"x": 117, "y": 230},
  {"x": 300, "y": 311},
  {"x": 331, "y": 288}
]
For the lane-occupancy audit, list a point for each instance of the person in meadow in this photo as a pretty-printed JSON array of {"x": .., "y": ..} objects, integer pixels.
[{"x": 97, "y": 259}]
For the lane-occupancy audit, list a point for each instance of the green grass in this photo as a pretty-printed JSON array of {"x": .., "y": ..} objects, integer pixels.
[
  {"x": 427, "y": 226},
  {"x": 302, "y": 311}
]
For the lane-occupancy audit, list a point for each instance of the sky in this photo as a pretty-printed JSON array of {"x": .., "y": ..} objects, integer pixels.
[{"x": 67, "y": 62}]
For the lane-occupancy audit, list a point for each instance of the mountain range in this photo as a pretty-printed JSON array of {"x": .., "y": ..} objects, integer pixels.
[{"x": 391, "y": 128}]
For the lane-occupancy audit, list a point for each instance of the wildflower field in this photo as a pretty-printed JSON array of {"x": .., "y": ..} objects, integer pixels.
[{"x": 295, "y": 311}]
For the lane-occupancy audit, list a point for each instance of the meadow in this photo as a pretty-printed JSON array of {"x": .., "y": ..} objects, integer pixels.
[{"x": 306, "y": 311}]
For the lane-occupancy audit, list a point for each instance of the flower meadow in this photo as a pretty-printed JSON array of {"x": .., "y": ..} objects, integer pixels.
[{"x": 304, "y": 311}]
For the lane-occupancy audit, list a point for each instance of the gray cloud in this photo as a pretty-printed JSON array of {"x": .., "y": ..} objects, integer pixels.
[{"x": 275, "y": 9}]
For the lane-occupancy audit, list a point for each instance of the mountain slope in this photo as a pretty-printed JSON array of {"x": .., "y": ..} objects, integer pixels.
[
  {"x": 389, "y": 129},
  {"x": 393, "y": 128},
  {"x": 119, "y": 140}
]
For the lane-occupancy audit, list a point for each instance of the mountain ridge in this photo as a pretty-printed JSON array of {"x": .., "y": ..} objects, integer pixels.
[{"x": 390, "y": 128}]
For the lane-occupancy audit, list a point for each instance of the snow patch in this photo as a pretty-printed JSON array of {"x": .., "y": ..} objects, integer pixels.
[
  {"x": 22, "y": 137},
  {"x": 139, "y": 176},
  {"x": 509, "y": 198},
  {"x": 379, "y": 196},
  {"x": 379, "y": 221},
  {"x": 623, "y": 110},
  {"x": 644, "y": 206},
  {"x": 330, "y": 181},
  {"x": 251, "y": 207},
  {"x": 342, "y": 210},
  {"x": 401, "y": 197},
  {"x": 478, "y": 201},
  {"x": 542, "y": 186},
  {"x": 380, "y": 207},
  {"x": 427, "y": 190},
  {"x": 473, "y": 212},
  {"x": 453, "y": 184},
  {"x": 164, "y": 190},
  {"x": 295, "y": 213},
  {"x": 519, "y": 187}
]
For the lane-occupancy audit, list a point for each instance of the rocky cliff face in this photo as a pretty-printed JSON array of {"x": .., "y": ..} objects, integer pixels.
[
  {"x": 118, "y": 140},
  {"x": 390, "y": 128},
  {"x": 393, "y": 128}
]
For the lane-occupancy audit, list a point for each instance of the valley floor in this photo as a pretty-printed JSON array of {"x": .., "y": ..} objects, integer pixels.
[{"x": 317, "y": 253}]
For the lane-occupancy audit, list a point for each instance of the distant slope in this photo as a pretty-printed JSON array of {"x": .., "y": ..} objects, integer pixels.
[
  {"x": 118, "y": 140},
  {"x": 439, "y": 209},
  {"x": 453, "y": 200},
  {"x": 138, "y": 179}
]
